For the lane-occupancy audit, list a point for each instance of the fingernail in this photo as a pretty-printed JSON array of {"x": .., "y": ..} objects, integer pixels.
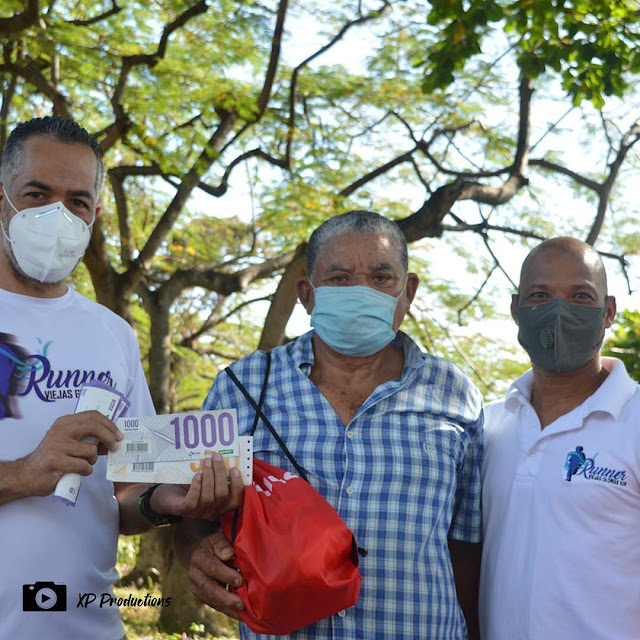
[
  {"x": 217, "y": 457},
  {"x": 235, "y": 472},
  {"x": 198, "y": 477},
  {"x": 237, "y": 582},
  {"x": 119, "y": 435},
  {"x": 208, "y": 462}
]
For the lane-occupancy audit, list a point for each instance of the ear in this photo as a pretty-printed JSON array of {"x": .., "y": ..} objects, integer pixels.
[
  {"x": 610, "y": 314},
  {"x": 514, "y": 307},
  {"x": 305, "y": 293},
  {"x": 98, "y": 209},
  {"x": 412, "y": 286}
]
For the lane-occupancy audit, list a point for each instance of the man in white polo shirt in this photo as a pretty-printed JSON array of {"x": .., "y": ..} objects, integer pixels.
[{"x": 561, "y": 471}]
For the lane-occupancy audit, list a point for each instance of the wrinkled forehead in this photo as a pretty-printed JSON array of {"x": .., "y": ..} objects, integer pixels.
[{"x": 359, "y": 251}]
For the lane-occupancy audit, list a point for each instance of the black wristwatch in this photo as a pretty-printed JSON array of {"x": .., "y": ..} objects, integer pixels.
[{"x": 155, "y": 519}]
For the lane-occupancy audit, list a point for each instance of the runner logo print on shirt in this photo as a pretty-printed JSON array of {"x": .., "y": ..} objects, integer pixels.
[
  {"x": 22, "y": 373},
  {"x": 578, "y": 464},
  {"x": 13, "y": 366}
]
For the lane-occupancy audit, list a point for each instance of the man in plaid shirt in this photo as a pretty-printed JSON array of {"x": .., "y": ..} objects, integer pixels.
[{"x": 389, "y": 435}]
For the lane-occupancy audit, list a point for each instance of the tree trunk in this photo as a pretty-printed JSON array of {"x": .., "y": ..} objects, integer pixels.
[
  {"x": 156, "y": 562},
  {"x": 184, "y": 608},
  {"x": 159, "y": 354},
  {"x": 284, "y": 300}
]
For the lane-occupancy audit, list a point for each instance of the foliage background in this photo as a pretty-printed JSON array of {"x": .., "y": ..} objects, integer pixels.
[{"x": 231, "y": 129}]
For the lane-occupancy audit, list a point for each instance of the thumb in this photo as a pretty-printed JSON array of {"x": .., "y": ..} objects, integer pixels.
[{"x": 222, "y": 547}]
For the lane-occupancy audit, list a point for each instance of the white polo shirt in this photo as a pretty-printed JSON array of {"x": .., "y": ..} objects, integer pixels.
[{"x": 561, "y": 555}]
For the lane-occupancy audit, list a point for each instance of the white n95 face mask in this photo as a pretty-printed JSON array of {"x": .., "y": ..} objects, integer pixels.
[{"x": 47, "y": 241}]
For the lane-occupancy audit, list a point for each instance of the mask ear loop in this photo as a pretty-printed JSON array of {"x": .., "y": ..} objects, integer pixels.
[
  {"x": 4, "y": 233},
  {"x": 404, "y": 286}
]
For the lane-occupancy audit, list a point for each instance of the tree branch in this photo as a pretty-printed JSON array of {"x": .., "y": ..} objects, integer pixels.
[
  {"x": 629, "y": 139},
  {"x": 557, "y": 168},
  {"x": 32, "y": 74},
  {"x": 221, "y": 189},
  {"x": 485, "y": 239},
  {"x": 519, "y": 166},
  {"x": 122, "y": 123},
  {"x": 220, "y": 282},
  {"x": 103, "y": 16},
  {"x": 21, "y": 21},
  {"x": 189, "y": 182},
  {"x": 293, "y": 98},
  {"x": 274, "y": 58},
  {"x": 354, "y": 186},
  {"x": 469, "y": 302},
  {"x": 214, "y": 320}
]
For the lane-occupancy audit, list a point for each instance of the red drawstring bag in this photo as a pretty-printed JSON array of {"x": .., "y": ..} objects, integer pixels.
[{"x": 298, "y": 559}]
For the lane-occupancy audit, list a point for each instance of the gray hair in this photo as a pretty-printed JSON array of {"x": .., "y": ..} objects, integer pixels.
[
  {"x": 355, "y": 222},
  {"x": 61, "y": 129}
]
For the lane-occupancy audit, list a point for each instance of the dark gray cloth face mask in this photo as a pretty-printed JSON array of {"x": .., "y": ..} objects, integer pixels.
[{"x": 560, "y": 336}]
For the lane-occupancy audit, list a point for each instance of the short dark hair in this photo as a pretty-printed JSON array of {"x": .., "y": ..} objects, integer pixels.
[
  {"x": 61, "y": 129},
  {"x": 359, "y": 221}
]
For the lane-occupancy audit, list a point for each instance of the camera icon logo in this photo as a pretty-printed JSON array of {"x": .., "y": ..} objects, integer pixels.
[{"x": 44, "y": 596}]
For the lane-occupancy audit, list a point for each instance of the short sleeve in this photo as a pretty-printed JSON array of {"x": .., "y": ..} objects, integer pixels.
[{"x": 466, "y": 523}]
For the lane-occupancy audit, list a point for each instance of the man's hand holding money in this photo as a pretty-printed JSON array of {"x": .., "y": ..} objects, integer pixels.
[
  {"x": 62, "y": 450},
  {"x": 212, "y": 492}
]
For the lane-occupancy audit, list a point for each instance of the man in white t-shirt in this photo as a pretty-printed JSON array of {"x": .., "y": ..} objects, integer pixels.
[
  {"x": 561, "y": 471},
  {"x": 52, "y": 340}
]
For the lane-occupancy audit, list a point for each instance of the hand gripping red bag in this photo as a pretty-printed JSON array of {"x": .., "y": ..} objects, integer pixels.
[{"x": 298, "y": 560}]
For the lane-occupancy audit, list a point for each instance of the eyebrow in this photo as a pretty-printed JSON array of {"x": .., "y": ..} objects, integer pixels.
[
  {"x": 380, "y": 266},
  {"x": 338, "y": 267},
  {"x": 575, "y": 287},
  {"x": 37, "y": 185},
  {"x": 82, "y": 193}
]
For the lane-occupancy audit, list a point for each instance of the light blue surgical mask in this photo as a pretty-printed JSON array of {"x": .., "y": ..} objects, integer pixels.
[{"x": 354, "y": 321}]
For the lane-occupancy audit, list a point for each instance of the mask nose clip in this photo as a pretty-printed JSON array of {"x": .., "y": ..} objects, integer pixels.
[{"x": 48, "y": 212}]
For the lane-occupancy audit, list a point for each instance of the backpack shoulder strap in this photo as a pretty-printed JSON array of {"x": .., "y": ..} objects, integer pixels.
[{"x": 260, "y": 414}]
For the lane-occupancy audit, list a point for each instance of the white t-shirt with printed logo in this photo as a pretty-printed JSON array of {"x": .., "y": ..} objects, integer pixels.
[
  {"x": 561, "y": 516},
  {"x": 48, "y": 348}
]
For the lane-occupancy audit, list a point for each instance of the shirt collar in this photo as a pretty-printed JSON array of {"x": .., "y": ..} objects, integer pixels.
[
  {"x": 611, "y": 397},
  {"x": 519, "y": 392},
  {"x": 302, "y": 352},
  {"x": 614, "y": 393}
]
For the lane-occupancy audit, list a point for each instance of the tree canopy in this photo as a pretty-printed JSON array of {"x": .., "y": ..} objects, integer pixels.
[{"x": 231, "y": 129}]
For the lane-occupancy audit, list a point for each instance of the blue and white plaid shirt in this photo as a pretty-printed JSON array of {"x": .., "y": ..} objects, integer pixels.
[{"x": 404, "y": 475}]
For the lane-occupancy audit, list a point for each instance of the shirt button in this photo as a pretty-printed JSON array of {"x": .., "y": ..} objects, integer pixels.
[
  {"x": 349, "y": 434},
  {"x": 350, "y": 491},
  {"x": 342, "y": 613}
]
